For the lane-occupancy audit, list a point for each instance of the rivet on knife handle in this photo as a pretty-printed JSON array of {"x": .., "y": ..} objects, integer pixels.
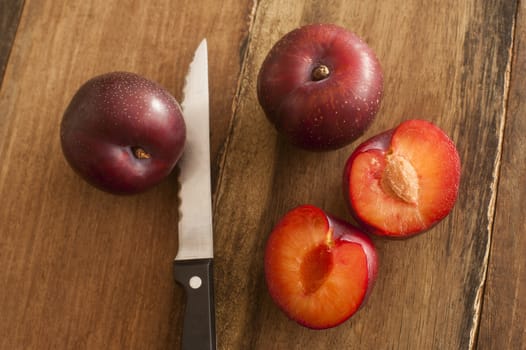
[{"x": 196, "y": 277}]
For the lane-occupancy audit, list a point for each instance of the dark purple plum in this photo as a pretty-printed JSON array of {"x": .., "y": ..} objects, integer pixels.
[
  {"x": 320, "y": 86},
  {"x": 122, "y": 133}
]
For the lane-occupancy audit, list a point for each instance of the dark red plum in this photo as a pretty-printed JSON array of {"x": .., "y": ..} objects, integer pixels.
[
  {"x": 320, "y": 86},
  {"x": 122, "y": 133}
]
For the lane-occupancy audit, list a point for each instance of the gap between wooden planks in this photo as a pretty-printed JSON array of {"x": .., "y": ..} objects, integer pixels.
[
  {"x": 10, "y": 11},
  {"x": 502, "y": 319}
]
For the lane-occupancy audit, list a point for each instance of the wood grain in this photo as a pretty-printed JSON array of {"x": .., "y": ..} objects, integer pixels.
[
  {"x": 9, "y": 16},
  {"x": 446, "y": 64},
  {"x": 504, "y": 309},
  {"x": 82, "y": 269}
]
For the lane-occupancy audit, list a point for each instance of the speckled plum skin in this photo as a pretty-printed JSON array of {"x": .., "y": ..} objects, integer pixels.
[
  {"x": 320, "y": 114},
  {"x": 112, "y": 116}
]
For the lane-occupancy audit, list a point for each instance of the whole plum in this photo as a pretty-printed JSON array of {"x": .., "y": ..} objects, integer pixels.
[
  {"x": 122, "y": 133},
  {"x": 320, "y": 86}
]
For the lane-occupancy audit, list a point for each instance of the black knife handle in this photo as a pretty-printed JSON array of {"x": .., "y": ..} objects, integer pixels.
[{"x": 199, "y": 316}]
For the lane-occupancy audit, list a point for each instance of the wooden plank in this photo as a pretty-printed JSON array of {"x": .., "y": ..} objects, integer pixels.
[
  {"x": 82, "y": 268},
  {"x": 446, "y": 64},
  {"x": 10, "y": 11},
  {"x": 504, "y": 308}
]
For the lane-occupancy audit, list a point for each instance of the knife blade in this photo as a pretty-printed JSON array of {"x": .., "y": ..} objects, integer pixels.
[{"x": 193, "y": 264}]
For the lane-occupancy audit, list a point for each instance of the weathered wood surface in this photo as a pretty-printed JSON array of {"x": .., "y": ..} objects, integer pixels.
[
  {"x": 84, "y": 269},
  {"x": 81, "y": 268},
  {"x": 446, "y": 63},
  {"x": 503, "y": 320}
]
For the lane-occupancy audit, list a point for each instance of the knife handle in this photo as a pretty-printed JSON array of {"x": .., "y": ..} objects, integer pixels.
[{"x": 199, "y": 316}]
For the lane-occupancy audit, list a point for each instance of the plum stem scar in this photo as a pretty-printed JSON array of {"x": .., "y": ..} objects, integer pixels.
[
  {"x": 320, "y": 72},
  {"x": 140, "y": 153}
]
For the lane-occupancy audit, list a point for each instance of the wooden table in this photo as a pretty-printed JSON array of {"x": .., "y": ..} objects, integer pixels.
[{"x": 82, "y": 269}]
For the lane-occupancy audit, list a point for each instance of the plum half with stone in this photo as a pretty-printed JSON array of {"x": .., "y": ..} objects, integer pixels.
[{"x": 403, "y": 181}]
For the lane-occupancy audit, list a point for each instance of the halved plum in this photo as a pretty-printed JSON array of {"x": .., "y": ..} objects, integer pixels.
[
  {"x": 319, "y": 269},
  {"x": 403, "y": 181}
]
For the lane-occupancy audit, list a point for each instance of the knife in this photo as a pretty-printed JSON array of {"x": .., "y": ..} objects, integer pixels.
[{"x": 193, "y": 262}]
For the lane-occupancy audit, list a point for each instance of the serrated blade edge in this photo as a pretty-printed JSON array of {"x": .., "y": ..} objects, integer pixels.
[{"x": 195, "y": 222}]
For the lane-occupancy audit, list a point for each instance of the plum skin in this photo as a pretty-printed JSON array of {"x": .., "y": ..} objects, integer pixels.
[
  {"x": 122, "y": 133},
  {"x": 327, "y": 113}
]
